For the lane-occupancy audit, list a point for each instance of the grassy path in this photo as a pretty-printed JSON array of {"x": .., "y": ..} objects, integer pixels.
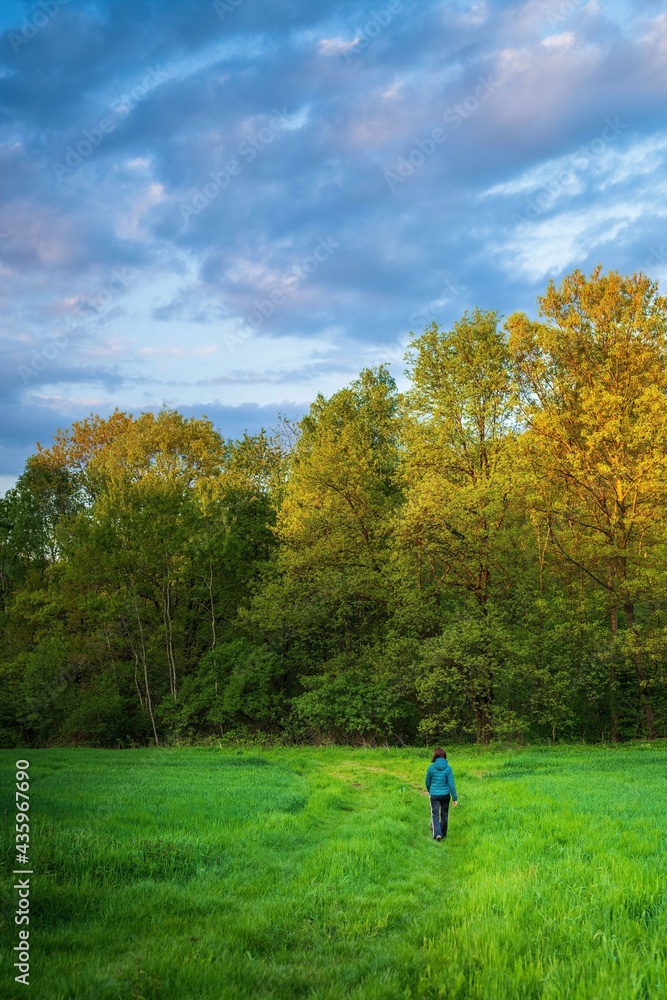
[{"x": 197, "y": 874}]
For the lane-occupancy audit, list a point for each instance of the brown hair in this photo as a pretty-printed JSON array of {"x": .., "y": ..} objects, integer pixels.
[{"x": 438, "y": 752}]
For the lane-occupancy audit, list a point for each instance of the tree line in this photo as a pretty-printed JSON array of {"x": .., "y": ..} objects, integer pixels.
[{"x": 480, "y": 557}]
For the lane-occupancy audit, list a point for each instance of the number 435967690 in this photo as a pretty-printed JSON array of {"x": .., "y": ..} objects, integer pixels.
[{"x": 22, "y": 816}]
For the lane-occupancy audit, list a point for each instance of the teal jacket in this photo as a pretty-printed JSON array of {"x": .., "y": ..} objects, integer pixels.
[{"x": 440, "y": 779}]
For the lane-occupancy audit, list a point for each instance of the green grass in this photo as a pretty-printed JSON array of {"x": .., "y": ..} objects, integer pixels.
[{"x": 194, "y": 874}]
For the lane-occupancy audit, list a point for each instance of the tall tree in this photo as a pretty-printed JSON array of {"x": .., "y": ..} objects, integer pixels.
[
  {"x": 333, "y": 522},
  {"x": 594, "y": 382},
  {"x": 457, "y": 528},
  {"x": 327, "y": 600}
]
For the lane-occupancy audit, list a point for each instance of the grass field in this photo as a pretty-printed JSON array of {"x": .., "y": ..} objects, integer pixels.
[{"x": 196, "y": 873}]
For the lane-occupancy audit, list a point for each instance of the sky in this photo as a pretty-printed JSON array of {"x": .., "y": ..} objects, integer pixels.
[{"x": 228, "y": 207}]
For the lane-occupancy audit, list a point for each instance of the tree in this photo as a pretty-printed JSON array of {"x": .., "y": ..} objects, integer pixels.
[
  {"x": 29, "y": 516},
  {"x": 458, "y": 527},
  {"x": 594, "y": 382},
  {"x": 333, "y": 522},
  {"x": 326, "y": 599}
]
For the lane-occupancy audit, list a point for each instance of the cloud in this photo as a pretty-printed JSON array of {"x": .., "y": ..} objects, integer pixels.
[
  {"x": 546, "y": 249},
  {"x": 567, "y": 211},
  {"x": 275, "y": 126},
  {"x": 336, "y": 46}
]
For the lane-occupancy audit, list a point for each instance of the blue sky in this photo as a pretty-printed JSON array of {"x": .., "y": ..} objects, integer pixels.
[{"x": 227, "y": 207}]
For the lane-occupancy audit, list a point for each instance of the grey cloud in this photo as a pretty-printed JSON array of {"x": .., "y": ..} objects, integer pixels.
[{"x": 121, "y": 206}]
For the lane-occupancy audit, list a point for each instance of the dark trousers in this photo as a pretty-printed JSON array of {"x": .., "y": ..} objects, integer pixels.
[{"x": 439, "y": 814}]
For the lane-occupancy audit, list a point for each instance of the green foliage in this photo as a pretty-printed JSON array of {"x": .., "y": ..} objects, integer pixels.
[
  {"x": 483, "y": 557},
  {"x": 102, "y": 715},
  {"x": 235, "y": 685},
  {"x": 356, "y": 699}
]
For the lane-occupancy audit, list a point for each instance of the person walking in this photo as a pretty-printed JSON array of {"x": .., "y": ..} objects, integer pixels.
[{"x": 441, "y": 788}]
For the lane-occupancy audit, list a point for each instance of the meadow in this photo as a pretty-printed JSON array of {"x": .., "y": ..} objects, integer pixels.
[{"x": 203, "y": 874}]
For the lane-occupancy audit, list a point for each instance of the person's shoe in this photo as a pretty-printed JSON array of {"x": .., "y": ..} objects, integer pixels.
[{"x": 438, "y": 838}]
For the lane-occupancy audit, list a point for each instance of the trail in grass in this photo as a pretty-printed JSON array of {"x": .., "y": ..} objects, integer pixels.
[{"x": 312, "y": 873}]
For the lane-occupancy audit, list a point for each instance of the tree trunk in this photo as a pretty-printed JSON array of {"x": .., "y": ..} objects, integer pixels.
[
  {"x": 482, "y": 724},
  {"x": 640, "y": 669},
  {"x": 166, "y": 616},
  {"x": 146, "y": 685},
  {"x": 136, "y": 663},
  {"x": 613, "y": 623},
  {"x": 210, "y": 597}
]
